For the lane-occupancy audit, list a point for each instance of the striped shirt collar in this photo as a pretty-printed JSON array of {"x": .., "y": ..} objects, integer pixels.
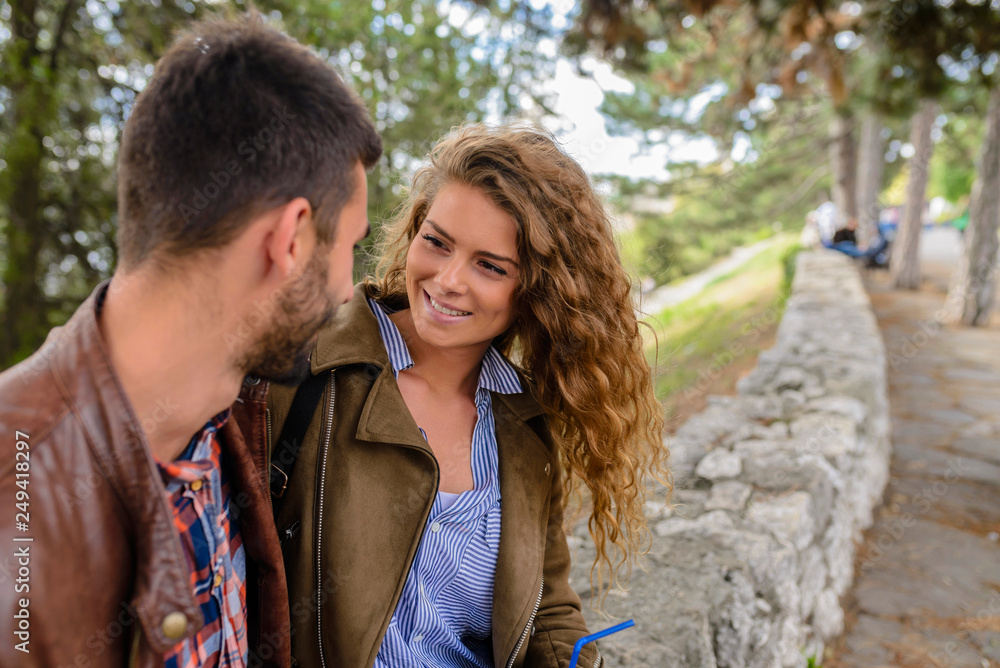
[{"x": 497, "y": 374}]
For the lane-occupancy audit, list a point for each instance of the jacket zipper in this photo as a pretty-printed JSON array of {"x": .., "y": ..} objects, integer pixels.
[
  {"x": 267, "y": 434},
  {"x": 289, "y": 532},
  {"x": 527, "y": 628},
  {"x": 267, "y": 451},
  {"x": 319, "y": 519},
  {"x": 599, "y": 660}
]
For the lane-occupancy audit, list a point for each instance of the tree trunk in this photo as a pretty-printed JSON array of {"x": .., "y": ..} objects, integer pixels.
[
  {"x": 843, "y": 162},
  {"x": 871, "y": 160},
  {"x": 24, "y": 323},
  {"x": 973, "y": 285},
  {"x": 904, "y": 265}
]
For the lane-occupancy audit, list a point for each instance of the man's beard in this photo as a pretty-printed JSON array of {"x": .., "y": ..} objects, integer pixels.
[{"x": 281, "y": 354}]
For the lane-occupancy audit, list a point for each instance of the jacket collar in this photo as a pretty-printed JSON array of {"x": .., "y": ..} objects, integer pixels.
[{"x": 351, "y": 338}]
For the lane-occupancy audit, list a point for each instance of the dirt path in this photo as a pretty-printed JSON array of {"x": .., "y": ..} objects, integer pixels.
[
  {"x": 675, "y": 293},
  {"x": 927, "y": 587}
]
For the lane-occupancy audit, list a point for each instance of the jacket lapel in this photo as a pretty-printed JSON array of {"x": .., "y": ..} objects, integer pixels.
[
  {"x": 385, "y": 417},
  {"x": 525, "y": 468}
]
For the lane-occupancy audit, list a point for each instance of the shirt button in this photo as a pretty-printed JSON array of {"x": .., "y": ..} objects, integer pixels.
[
  {"x": 174, "y": 625},
  {"x": 435, "y": 527},
  {"x": 195, "y": 485},
  {"x": 218, "y": 580},
  {"x": 418, "y": 638},
  {"x": 548, "y": 469}
]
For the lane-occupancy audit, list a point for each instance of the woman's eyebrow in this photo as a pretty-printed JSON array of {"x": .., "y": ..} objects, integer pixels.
[
  {"x": 440, "y": 231},
  {"x": 451, "y": 239}
]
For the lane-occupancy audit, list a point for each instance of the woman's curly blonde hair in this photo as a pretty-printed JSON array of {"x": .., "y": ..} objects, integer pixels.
[{"x": 575, "y": 331}]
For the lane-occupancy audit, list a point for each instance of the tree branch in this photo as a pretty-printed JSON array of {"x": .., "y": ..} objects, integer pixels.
[{"x": 57, "y": 41}]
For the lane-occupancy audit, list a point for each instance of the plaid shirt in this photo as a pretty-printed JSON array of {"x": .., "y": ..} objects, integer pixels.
[{"x": 199, "y": 494}]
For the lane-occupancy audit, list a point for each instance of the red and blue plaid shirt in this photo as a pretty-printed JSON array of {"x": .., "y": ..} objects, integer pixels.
[{"x": 199, "y": 494}]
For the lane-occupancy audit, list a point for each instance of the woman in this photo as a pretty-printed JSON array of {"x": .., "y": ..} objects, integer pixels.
[{"x": 424, "y": 521}]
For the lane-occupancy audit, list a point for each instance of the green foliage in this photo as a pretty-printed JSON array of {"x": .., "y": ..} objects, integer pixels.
[
  {"x": 788, "y": 260},
  {"x": 71, "y": 73},
  {"x": 927, "y": 47},
  {"x": 726, "y": 204},
  {"x": 953, "y": 165},
  {"x": 418, "y": 72}
]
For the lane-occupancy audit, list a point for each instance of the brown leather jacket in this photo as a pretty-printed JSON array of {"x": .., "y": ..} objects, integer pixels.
[
  {"x": 91, "y": 570},
  {"x": 359, "y": 498}
]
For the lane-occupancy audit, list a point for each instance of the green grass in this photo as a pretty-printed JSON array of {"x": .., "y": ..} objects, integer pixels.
[
  {"x": 763, "y": 260},
  {"x": 705, "y": 337},
  {"x": 631, "y": 250}
]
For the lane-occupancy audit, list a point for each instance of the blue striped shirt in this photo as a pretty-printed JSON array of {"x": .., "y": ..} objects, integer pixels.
[{"x": 444, "y": 616}]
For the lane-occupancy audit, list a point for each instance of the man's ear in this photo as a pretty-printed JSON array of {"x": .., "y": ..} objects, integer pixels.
[{"x": 292, "y": 239}]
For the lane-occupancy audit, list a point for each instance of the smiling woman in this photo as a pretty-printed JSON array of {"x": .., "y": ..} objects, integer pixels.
[{"x": 495, "y": 349}]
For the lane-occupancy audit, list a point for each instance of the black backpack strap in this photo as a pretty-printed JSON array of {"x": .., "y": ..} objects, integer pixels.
[{"x": 289, "y": 443}]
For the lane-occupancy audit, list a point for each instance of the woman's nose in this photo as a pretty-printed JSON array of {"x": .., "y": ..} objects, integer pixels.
[{"x": 451, "y": 278}]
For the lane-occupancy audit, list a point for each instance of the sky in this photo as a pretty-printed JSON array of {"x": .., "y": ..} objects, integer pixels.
[
  {"x": 581, "y": 127},
  {"x": 576, "y": 98}
]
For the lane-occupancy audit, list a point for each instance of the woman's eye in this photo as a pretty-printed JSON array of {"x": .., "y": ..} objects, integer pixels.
[
  {"x": 434, "y": 241},
  {"x": 493, "y": 268}
]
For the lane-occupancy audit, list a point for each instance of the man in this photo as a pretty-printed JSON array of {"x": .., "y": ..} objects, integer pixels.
[
  {"x": 138, "y": 528},
  {"x": 826, "y": 221}
]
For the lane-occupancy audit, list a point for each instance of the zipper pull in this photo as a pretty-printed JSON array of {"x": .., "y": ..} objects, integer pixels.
[{"x": 288, "y": 533}]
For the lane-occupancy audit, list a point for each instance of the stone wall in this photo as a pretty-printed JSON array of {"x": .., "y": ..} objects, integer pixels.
[{"x": 772, "y": 489}]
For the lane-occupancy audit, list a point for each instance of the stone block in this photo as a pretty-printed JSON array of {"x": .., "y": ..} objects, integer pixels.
[
  {"x": 781, "y": 472},
  {"x": 689, "y": 503},
  {"x": 758, "y": 449},
  {"x": 828, "y": 434},
  {"x": 838, "y": 552},
  {"x": 788, "y": 517},
  {"x": 828, "y": 616},
  {"x": 791, "y": 378},
  {"x": 762, "y": 407},
  {"x": 728, "y": 495},
  {"x": 770, "y": 563},
  {"x": 849, "y": 407},
  {"x": 719, "y": 464},
  {"x": 790, "y": 642},
  {"x": 812, "y": 581},
  {"x": 714, "y": 521}
]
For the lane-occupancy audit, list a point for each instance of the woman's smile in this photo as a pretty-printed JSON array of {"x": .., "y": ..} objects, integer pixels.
[{"x": 445, "y": 309}]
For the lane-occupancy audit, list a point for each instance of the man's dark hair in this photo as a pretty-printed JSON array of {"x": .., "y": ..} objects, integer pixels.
[{"x": 238, "y": 118}]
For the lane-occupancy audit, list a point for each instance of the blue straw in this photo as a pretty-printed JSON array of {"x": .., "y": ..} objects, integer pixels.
[{"x": 596, "y": 636}]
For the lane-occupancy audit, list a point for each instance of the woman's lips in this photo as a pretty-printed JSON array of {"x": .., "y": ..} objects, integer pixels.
[{"x": 434, "y": 308}]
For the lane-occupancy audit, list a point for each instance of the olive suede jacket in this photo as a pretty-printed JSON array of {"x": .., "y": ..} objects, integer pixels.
[{"x": 360, "y": 495}]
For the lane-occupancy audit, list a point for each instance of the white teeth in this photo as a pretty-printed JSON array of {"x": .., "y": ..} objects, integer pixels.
[{"x": 446, "y": 311}]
